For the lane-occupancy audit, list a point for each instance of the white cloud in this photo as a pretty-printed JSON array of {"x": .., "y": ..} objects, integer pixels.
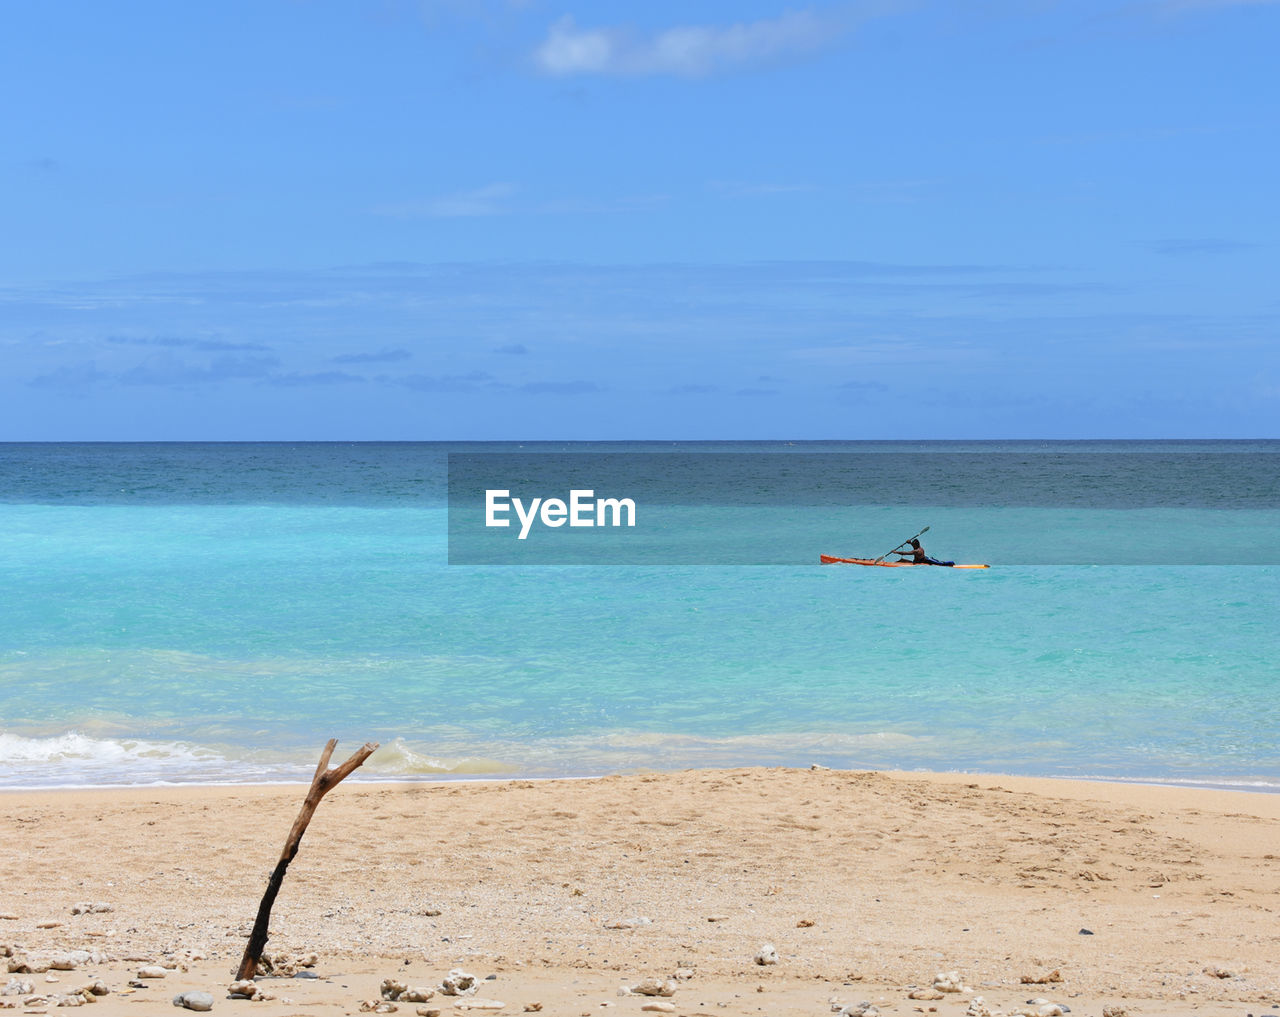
[
  {"x": 686, "y": 50},
  {"x": 487, "y": 200},
  {"x": 570, "y": 51},
  {"x": 480, "y": 201},
  {"x": 742, "y": 189}
]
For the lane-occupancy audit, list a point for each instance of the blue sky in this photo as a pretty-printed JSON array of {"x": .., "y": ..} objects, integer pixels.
[{"x": 287, "y": 219}]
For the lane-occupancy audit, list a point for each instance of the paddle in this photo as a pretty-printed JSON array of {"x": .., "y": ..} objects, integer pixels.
[{"x": 907, "y": 541}]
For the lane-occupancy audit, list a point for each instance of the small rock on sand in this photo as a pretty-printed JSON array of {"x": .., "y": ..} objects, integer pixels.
[
  {"x": 152, "y": 971},
  {"x": 634, "y": 922},
  {"x": 767, "y": 954},
  {"x": 478, "y": 1004},
  {"x": 1046, "y": 979},
  {"x": 458, "y": 983},
  {"x": 949, "y": 981},
  {"x": 246, "y": 988},
  {"x": 194, "y": 1000},
  {"x": 391, "y": 989},
  {"x": 659, "y": 1008},
  {"x": 655, "y": 987},
  {"x": 285, "y": 965}
]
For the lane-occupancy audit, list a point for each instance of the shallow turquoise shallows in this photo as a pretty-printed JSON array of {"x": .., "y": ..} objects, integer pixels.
[{"x": 215, "y": 612}]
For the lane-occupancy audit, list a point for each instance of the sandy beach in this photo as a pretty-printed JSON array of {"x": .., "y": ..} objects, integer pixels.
[{"x": 1086, "y": 896}]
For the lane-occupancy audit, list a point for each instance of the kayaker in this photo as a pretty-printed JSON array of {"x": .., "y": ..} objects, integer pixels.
[{"x": 918, "y": 557}]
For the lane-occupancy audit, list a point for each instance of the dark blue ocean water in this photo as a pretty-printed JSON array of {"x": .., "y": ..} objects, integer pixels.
[{"x": 202, "y": 612}]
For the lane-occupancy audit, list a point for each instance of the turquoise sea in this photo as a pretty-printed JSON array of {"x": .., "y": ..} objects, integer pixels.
[{"x": 214, "y": 612}]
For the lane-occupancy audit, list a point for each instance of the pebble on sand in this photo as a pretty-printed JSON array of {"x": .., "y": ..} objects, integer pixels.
[
  {"x": 767, "y": 954},
  {"x": 458, "y": 983},
  {"x": 949, "y": 981},
  {"x": 194, "y": 1000},
  {"x": 391, "y": 989},
  {"x": 152, "y": 971},
  {"x": 245, "y": 988},
  {"x": 635, "y": 922},
  {"x": 91, "y": 909},
  {"x": 286, "y": 965},
  {"x": 654, "y": 987},
  {"x": 1046, "y": 979}
]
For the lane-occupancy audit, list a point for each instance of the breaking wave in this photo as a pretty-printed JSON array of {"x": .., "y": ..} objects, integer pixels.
[{"x": 73, "y": 759}]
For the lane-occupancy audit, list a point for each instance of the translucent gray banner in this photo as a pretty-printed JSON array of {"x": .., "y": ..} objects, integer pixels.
[{"x": 789, "y": 507}]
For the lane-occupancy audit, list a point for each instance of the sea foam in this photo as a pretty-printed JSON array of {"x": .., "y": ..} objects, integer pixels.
[{"x": 73, "y": 759}]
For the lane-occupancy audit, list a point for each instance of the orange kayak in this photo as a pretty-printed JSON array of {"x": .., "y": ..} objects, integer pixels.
[{"x": 827, "y": 559}]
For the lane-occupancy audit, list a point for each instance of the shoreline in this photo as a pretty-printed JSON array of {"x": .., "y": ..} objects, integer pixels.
[
  {"x": 1252, "y": 787},
  {"x": 867, "y": 884},
  {"x": 1129, "y": 790}
]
